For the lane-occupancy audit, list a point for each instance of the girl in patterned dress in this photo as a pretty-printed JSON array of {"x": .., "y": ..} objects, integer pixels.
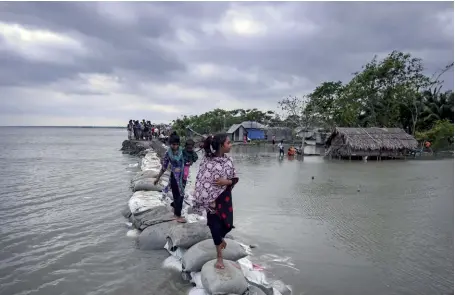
[{"x": 213, "y": 190}]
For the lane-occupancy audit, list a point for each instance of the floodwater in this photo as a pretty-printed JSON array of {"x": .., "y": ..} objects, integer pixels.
[{"x": 356, "y": 228}]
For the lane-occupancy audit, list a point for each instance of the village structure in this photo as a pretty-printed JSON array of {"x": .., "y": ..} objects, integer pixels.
[
  {"x": 341, "y": 143},
  {"x": 369, "y": 143}
]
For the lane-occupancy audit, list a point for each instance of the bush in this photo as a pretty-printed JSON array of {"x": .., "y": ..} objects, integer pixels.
[{"x": 440, "y": 136}]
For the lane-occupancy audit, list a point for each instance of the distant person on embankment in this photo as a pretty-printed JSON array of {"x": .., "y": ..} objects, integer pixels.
[
  {"x": 129, "y": 127},
  {"x": 174, "y": 157},
  {"x": 189, "y": 157},
  {"x": 273, "y": 140},
  {"x": 213, "y": 190},
  {"x": 137, "y": 130}
]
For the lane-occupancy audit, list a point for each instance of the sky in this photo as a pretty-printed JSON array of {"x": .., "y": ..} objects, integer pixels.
[{"x": 103, "y": 63}]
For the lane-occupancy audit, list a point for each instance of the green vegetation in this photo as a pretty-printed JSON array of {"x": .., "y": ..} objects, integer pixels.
[
  {"x": 392, "y": 92},
  {"x": 441, "y": 135},
  {"x": 220, "y": 120}
]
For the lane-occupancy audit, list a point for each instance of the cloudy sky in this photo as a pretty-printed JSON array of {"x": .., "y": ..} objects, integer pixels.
[{"x": 105, "y": 63}]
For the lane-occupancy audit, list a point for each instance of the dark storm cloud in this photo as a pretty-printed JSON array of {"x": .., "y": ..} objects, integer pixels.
[
  {"x": 185, "y": 54},
  {"x": 346, "y": 36},
  {"x": 114, "y": 44}
]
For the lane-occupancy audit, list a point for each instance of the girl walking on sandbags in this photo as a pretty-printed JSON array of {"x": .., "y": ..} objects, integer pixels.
[
  {"x": 213, "y": 190},
  {"x": 174, "y": 156}
]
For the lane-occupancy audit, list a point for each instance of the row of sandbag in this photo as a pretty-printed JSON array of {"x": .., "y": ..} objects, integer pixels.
[{"x": 150, "y": 212}]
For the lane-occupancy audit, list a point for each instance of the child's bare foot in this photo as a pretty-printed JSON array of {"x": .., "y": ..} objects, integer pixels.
[{"x": 219, "y": 263}]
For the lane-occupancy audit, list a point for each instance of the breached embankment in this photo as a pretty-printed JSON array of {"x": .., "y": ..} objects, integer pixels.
[{"x": 190, "y": 245}]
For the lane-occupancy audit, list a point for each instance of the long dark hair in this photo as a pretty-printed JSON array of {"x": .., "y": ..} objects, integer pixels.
[{"x": 215, "y": 143}]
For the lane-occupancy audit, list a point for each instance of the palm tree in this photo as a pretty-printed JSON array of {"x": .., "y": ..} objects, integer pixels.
[{"x": 437, "y": 107}]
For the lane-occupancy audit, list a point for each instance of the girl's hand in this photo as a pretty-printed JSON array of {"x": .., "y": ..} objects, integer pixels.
[{"x": 222, "y": 182}]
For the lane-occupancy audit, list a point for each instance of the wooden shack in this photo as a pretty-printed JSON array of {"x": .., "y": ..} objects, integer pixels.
[{"x": 358, "y": 143}]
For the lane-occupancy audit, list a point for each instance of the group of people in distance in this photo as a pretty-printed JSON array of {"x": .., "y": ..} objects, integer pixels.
[
  {"x": 215, "y": 181},
  {"x": 144, "y": 130}
]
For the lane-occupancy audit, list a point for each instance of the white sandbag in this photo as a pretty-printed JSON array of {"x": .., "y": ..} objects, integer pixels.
[
  {"x": 152, "y": 216},
  {"x": 138, "y": 184},
  {"x": 204, "y": 251},
  {"x": 150, "y": 162},
  {"x": 229, "y": 280},
  {"x": 154, "y": 237},
  {"x": 145, "y": 174},
  {"x": 142, "y": 201},
  {"x": 147, "y": 185},
  {"x": 185, "y": 235},
  {"x": 172, "y": 263}
]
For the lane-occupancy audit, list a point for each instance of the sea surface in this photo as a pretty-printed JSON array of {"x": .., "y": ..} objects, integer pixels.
[{"x": 324, "y": 227}]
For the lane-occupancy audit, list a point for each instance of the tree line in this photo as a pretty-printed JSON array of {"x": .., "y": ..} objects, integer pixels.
[{"x": 392, "y": 92}]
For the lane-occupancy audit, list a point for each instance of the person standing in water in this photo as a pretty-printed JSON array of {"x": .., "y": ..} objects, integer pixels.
[
  {"x": 281, "y": 147},
  {"x": 174, "y": 157},
  {"x": 213, "y": 190}
]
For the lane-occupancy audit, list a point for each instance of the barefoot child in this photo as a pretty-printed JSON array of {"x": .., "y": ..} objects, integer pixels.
[{"x": 213, "y": 190}]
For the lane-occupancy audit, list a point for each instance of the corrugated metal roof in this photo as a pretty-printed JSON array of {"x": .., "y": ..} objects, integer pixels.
[
  {"x": 233, "y": 128},
  {"x": 246, "y": 125},
  {"x": 252, "y": 124}
]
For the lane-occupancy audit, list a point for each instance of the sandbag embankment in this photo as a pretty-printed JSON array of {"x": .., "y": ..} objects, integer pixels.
[
  {"x": 190, "y": 245},
  {"x": 136, "y": 147}
]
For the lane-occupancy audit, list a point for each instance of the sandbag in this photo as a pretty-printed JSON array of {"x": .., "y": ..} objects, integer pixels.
[
  {"x": 151, "y": 180},
  {"x": 142, "y": 201},
  {"x": 147, "y": 185},
  {"x": 154, "y": 237},
  {"x": 204, "y": 251},
  {"x": 152, "y": 216},
  {"x": 126, "y": 212},
  {"x": 145, "y": 174},
  {"x": 229, "y": 280},
  {"x": 185, "y": 235},
  {"x": 150, "y": 162}
]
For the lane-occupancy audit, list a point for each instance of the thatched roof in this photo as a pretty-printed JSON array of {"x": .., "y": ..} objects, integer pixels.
[{"x": 374, "y": 138}]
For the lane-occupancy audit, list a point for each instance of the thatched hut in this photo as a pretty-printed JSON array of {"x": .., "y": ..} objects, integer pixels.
[{"x": 371, "y": 142}]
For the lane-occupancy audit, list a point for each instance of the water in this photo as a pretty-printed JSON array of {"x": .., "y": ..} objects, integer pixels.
[{"x": 356, "y": 228}]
